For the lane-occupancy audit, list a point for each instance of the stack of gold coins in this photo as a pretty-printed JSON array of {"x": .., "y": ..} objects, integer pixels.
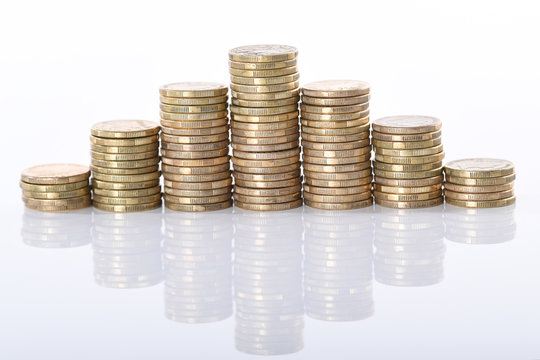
[
  {"x": 264, "y": 127},
  {"x": 336, "y": 146},
  {"x": 125, "y": 165},
  {"x": 408, "y": 161},
  {"x": 195, "y": 146},
  {"x": 56, "y": 187},
  {"x": 479, "y": 183}
]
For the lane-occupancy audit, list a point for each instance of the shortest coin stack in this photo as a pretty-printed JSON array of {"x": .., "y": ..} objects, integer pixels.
[
  {"x": 479, "y": 183},
  {"x": 56, "y": 187},
  {"x": 125, "y": 165}
]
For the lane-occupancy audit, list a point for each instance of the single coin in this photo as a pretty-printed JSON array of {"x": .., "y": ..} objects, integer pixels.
[
  {"x": 407, "y": 167},
  {"x": 194, "y": 170},
  {"x": 335, "y": 124},
  {"x": 173, "y": 154},
  {"x": 263, "y": 73},
  {"x": 55, "y": 174},
  {"x": 36, "y": 203},
  {"x": 264, "y": 118},
  {"x": 409, "y": 182},
  {"x": 267, "y": 192},
  {"x": 263, "y": 53},
  {"x": 335, "y": 138},
  {"x": 407, "y": 174},
  {"x": 267, "y": 177},
  {"x": 410, "y": 204},
  {"x": 189, "y": 109},
  {"x": 197, "y": 178},
  {"x": 266, "y": 140},
  {"x": 482, "y": 204},
  {"x": 199, "y": 207},
  {"x": 337, "y": 199},
  {"x": 210, "y": 185},
  {"x": 196, "y": 132},
  {"x": 263, "y": 111},
  {"x": 138, "y": 178},
  {"x": 335, "y": 117},
  {"x": 295, "y": 129},
  {"x": 337, "y": 168},
  {"x": 351, "y": 145},
  {"x": 176, "y": 124},
  {"x": 406, "y": 137},
  {"x": 124, "y": 186},
  {"x": 266, "y": 163},
  {"x": 337, "y": 132},
  {"x": 124, "y": 142},
  {"x": 193, "y": 89},
  {"x": 266, "y": 148},
  {"x": 121, "y": 129},
  {"x": 56, "y": 195},
  {"x": 337, "y": 160},
  {"x": 127, "y": 208},
  {"x": 127, "y": 200},
  {"x": 331, "y": 184},
  {"x": 340, "y": 206},
  {"x": 265, "y": 96},
  {"x": 266, "y": 156},
  {"x": 478, "y": 196},
  {"x": 125, "y": 149},
  {"x": 124, "y": 157},
  {"x": 196, "y": 200},
  {"x": 268, "y": 184},
  {"x": 175, "y": 139},
  {"x": 406, "y": 145},
  {"x": 341, "y": 191},
  {"x": 236, "y": 125},
  {"x": 338, "y": 176},
  {"x": 266, "y": 199},
  {"x": 265, "y": 104},
  {"x": 196, "y": 162},
  {"x": 335, "y": 88},
  {"x": 344, "y": 101},
  {"x": 406, "y": 190},
  {"x": 135, "y": 193},
  {"x": 479, "y": 168},
  {"x": 120, "y": 171},
  {"x": 239, "y": 80},
  {"x": 195, "y": 147},
  {"x": 407, "y": 124},
  {"x": 407, "y": 197},
  {"x": 55, "y": 188},
  {"x": 480, "y": 181},
  {"x": 363, "y": 152},
  {"x": 258, "y": 89},
  {"x": 269, "y": 207},
  {"x": 409, "y": 160},
  {"x": 409, "y": 152},
  {"x": 194, "y": 101},
  {"x": 193, "y": 116},
  {"x": 134, "y": 164},
  {"x": 262, "y": 66},
  {"x": 267, "y": 170},
  {"x": 333, "y": 109},
  {"x": 478, "y": 189},
  {"x": 199, "y": 193}
]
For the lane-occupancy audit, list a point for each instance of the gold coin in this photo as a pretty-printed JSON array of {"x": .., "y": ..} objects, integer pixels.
[
  {"x": 196, "y": 162},
  {"x": 482, "y": 204},
  {"x": 265, "y": 104},
  {"x": 139, "y": 178},
  {"x": 127, "y": 208},
  {"x": 267, "y": 170},
  {"x": 124, "y": 157},
  {"x": 267, "y": 162},
  {"x": 333, "y": 109},
  {"x": 196, "y": 200},
  {"x": 335, "y": 138},
  {"x": 193, "y": 109},
  {"x": 344, "y": 101},
  {"x": 478, "y": 189},
  {"x": 173, "y": 154},
  {"x": 175, "y": 139},
  {"x": 267, "y": 177},
  {"x": 410, "y": 204},
  {"x": 335, "y": 117},
  {"x": 193, "y": 89},
  {"x": 401, "y": 145},
  {"x": 407, "y": 124},
  {"x": 264, "y": 111},
  {"x": 479, "y": 168},
  {"x": 210, "y": 185},
  {"x": 266, "y": 156},
  {"x": 193, "y": 116},
  {"x": 339, "y": 206},
  {"x": 409, "y": 182},
  {"x": 266, "y": 148},
  {"x": 337, "y": 160},
  {"x": 268, "y": 184},
  {"x": 58, "y": 205},
  {"x": 264, "y": 80},
  {"x": 480, "y": 181},
  {"x": 407, "y": 197},
  {"x": 266, "y": 133},
  {"x": 124, "y": 186},
  {"x": 119, "y": 171},
  {"x": 409, "y": 160},
  {"x": 336, "y": 146},
  {"x": 265, "y": 96},
  {"x": 127, "y": 200},
  {"x": 335, "y": 124},
  {"x": 55, "y": 174},
  {"x": 125, "y": 142},
  {"x": 57, "y": 195},
  {"x": 235, "y": 125},
  {"x": 262, "y": 66},
  {"x": 263, "y": 53},
  {"x": 195, "y": 147},
  {"x": 410, "y": 152},
  {"x": 263, "y": 73},
  {"x": 337, "y": 199},
  {"x": 195, "y": 132},
  {"x": 338, "y": 176},
  {"x": 199, "y": 207},
  {"x": 349, "y": 190},
  {"x": 267, "y": 192},
  {"x": 124, "y": 149},
  {"x": 407, "y": 174},
  {"x": 193, "y": 101},
  {"x": 406, "y": 190},
  {"x": 196, "y": 170},
  {"x": 407, "y": 167},
  {"x": 335, "y": 88},
  {"x": 198, "y": 193},
  {"x": 332, "y": 184},
  {"x": 121, "y": 129},
  {"x": 265, "y": 140},
  {"x": 269, "y": 207},
  {"x": 337, "y": 132},
  {"x": 337, "y": 168},
  {"x": 55, "y": 187},
  {"x": 264, "y": 118},
  {"x": 197, "y": 178},
  {"x": 258, "y": 89},
  {"x": 133, "y": 164},
  {"x": 363, "y": 152},
  {"x": 266, "y": 199},
  {"x": 175, "y": 124},
  {"x": 135, "y": 193},
  {"x": 478, "y": 196},
  {"x": 407, "y": 137}
]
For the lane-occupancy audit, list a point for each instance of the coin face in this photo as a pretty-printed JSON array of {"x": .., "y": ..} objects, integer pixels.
[
  {"x": 336, "y": 88},
  {"x": 407, "y": 124},
  {"x": 125, "y": 128},
  {"x": 193, "y": 89},
  {"x": 479, "y": 168},
  {"x": 263, "y": 53},
  {"x": 55, "y": 174}
]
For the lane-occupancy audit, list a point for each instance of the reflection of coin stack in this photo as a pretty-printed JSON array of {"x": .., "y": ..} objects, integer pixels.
[
  {"x": 195, "y": 146},
  {"x": 53, "y": 230},
  {"x": 338, "y": 265},
  {"x": 268, "y": 282},
  {"x": 408, "y": 166},
  {"x": 264, "y": 127},
  {"x": 125, "y": 165},
  {"x": 127, "y": 249},
  {"x": 479, "y": 226},
  {"x": 336, "y": 145},
  {"x": 409, "y": 247},
  {"x": 198, "y": 268}
]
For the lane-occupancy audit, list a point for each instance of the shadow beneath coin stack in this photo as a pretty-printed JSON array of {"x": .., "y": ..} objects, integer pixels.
[
  {"x": 268, "y": 282},
  {"x": 409, "y": 246},
  {"x": 127, "y": 249},
  {"x": 198, "y": 266}
]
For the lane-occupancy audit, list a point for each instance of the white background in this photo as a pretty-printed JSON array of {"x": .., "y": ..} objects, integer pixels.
[{"x": 473, "y": 64}]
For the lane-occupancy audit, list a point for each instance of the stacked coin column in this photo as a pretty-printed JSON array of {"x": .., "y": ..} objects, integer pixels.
[
  {"x": 264, "y": 127},
  {"x": 125, "y": 165},
  {"x": 195, "y": 146},
  {"x": 408, "y": 161},
  {"x": 336, "y": 145}
]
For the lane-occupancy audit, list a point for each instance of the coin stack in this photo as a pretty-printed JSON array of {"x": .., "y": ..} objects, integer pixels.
[
  {"x": 125, "y": 165},
  {"x": 336, "y": 146},
  {"x": 408, "y": 161},
  {"x": 56, "y": 187},
  {"x": 264, "y": 127},
  {"x": 195, "y": 146},
  {"x": 479, "y": 183}
]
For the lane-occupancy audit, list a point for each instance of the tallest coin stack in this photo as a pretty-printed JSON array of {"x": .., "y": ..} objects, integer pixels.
[{"x": 264, "y": 127}]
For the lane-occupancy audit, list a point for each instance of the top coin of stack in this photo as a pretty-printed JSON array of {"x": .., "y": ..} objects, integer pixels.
[
  {"x": 479, "y": 183},
  {"x": 56, "y": 187},
  {"x": 408, "y": 161},
  {"x": 264, "y": 127},
  {"x": 336, "y": 145},
  {"x": 125, "y": 165},
  {"x": 195, "y": 146}
]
